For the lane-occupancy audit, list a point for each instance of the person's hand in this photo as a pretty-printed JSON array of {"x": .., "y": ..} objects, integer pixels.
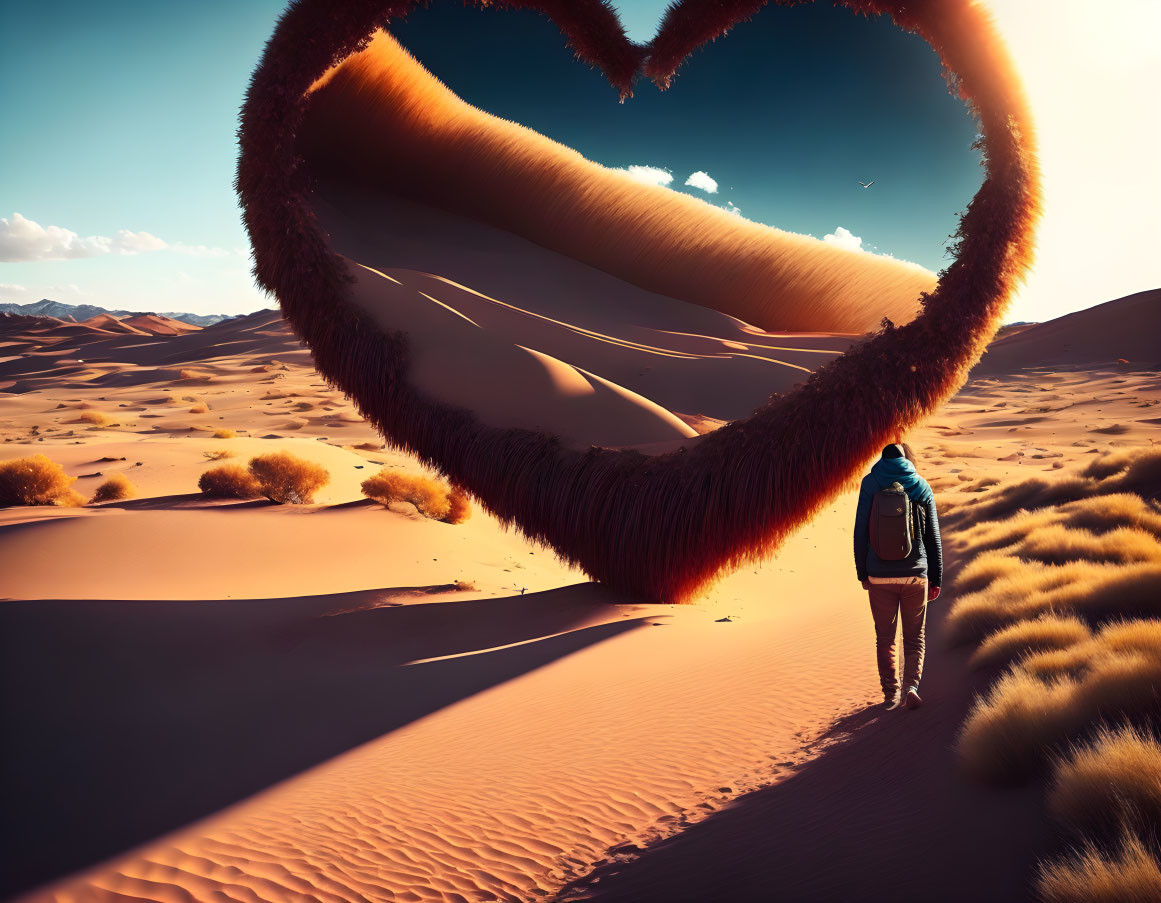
[
  {"x": 866, "y": 584},
  {"x": 932, "y": 593}
]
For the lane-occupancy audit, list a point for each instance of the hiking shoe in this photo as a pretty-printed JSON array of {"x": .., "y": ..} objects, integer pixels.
[
  {"x": 891, "y": 701},
  {"x": 913, "y": 700}
]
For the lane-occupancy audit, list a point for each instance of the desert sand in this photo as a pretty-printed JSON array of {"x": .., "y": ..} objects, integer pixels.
[{"x": 345, "y": 702}]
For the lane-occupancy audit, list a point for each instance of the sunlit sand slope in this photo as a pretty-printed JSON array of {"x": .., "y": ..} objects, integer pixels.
[
  {"x": 527, "y": 337},
  {"x": 383, "y": 121}
]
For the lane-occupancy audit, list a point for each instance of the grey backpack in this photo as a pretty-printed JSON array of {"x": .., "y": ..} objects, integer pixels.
[{"x": 893, "y": 528}]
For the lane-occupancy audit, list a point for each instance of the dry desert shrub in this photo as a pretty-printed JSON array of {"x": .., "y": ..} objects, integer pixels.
[
  {"x": 986, "y": 568},
  {"x": 37, "y": 480},
  {"x": 288, "y": 479},
  {"x": 1134, "y": 471},
  {"x": 459, "y": 506},
  {"x": 1008, "y": 731},
  {"x": 229, "y": 481},
  {"x": 218, "y": 454},
  {"x": 1099, "y": 514},
  {"x": 1018, "y": 639},
  {"x": 199, "y": 408},
  {"x": 1112, "y": 781},
  {"x": 432, "y": 498},
  {"x": 1114, "y": 510},
  {"x": 223, "y": 433},
  {"x": 1057, "y": 544},
  {"x": 1137, "y": 471},
  {"x": 988, "y": 536},
  {"x": 1011, "y": 731},
  {"x": 1093, "y": 591},
  {"x": 1128, "y": 873},
  {"x": 116, "y": 488},
  {"x": 1036, "y": 492},
  {"x": 97, "y": 418}
]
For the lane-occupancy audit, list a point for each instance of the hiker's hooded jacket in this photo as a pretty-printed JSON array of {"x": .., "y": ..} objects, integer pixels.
[{"x": 927, "y": 560}]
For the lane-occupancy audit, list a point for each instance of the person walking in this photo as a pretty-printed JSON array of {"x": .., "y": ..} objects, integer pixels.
[{"x": 899, "y": 561}]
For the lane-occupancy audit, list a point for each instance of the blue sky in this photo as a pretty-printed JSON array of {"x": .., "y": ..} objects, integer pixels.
[{"x": 120, "y": 119}]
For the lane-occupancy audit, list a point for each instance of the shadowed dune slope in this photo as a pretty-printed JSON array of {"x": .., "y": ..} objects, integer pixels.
[
  {"x": 383, "y": 120},
  {"x": 1124, "y": 329}
]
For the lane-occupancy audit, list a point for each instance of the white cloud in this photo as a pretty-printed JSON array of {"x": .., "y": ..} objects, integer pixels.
[
  {"x": 843, "y": 238},
  {"x": 22, "y": 240},
  {"x": 650, "y": 175},
  {"x": 704, "y": 181},
  {"x": 733, "y": 208}
]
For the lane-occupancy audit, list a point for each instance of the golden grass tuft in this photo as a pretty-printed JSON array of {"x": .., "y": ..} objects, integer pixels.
[
  {"x": 229, "y": 481},
  {"x": 1128, "y": 873},
  {"x": 1016, "y": 640},
  {"x": 218, "y": 454},
  {"x": 37, "y": 480},
  {"x": 97, "y": 418},
  {"x": 986, "y": 568},
  {"x": 1093, "y": 591},
  {"x": 199, "y": 408},
  {"x": 1050, "y": 697},
  {"x": 223, "y": 433},
  {"x": 430, "y": 497},
  {"x": 115, "y": 489},
  {"x": 459, "y": 506},
  {"x": 1111, "y": 781},
  {"x": 1009, "y": 730},
  {"x": 1057, "y": 544},
  {"x": 288, "y": 479}
]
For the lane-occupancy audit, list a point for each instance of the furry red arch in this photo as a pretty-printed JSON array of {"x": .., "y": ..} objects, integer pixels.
[{"x": 656, "y": 526}]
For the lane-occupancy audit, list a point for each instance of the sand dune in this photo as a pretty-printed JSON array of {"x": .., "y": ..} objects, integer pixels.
[
  {"x": 107, "y": 323},
  {"x": 1126, "y": 329},
  {"x": 159, "y": 325},
  {"x": 474, "y": 300}
]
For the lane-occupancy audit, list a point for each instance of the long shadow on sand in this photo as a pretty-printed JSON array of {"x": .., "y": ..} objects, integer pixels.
[
  {"x": 884, "y": 815},
  {"x": 124, "y": 720}
]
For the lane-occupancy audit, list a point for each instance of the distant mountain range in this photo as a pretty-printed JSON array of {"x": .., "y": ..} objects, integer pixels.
[{"x": 79, "y": 312}]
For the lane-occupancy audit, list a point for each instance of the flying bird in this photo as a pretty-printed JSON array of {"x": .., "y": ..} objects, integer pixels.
[{"x": 865, "y": 184}]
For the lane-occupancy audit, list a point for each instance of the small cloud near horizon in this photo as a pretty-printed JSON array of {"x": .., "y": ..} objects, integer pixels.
[
  {"x": 704, "y": 181},
  {"x": 845, "y": 239},
  {"x": 23, "y": 240},
  {"x": 650, "y": 175}
]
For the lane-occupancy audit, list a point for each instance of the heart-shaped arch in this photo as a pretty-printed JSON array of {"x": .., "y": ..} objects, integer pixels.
[{"x": 659, "y": 526}]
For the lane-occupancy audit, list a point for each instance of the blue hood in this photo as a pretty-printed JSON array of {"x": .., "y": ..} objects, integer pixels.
[{"x": 899, "y": 470}]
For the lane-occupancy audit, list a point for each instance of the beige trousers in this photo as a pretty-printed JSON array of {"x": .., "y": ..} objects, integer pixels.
[{"x": 888, "y": 602}]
